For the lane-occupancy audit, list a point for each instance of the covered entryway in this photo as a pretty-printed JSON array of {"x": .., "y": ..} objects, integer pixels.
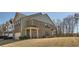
[{"x": 32, "y": 32}]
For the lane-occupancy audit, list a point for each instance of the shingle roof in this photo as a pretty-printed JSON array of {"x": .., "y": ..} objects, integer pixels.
[
  {"x": 38, "y": 16},
  {"x": 47, "y": 19},
  {"x": 19, "y": 15}
]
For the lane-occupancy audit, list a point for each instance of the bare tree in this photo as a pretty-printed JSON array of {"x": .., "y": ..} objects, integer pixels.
[
  {"x": 67, "y": 25},
  {"x": 76, "y": 16}
]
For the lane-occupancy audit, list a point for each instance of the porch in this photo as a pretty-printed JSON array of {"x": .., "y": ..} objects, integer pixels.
[{"x": 32, "y": 32}]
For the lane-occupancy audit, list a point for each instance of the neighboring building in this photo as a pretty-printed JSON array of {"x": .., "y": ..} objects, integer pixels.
[
  {"x": 1, "y": 30},
  {"x": 33, "y": 26},
  {"x": 6, "y": 29},
  {"x": 10, "y": 28}
]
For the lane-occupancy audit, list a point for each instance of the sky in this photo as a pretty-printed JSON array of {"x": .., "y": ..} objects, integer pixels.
[{"x": 5, "y": 16}]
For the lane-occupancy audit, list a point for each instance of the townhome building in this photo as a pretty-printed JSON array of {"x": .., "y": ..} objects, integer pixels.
[{"x": 33, "y": 26}]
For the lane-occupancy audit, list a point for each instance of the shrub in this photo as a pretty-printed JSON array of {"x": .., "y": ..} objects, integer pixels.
[
  {"x": 44, "y": 36},
  {"x": 23, "y": 37}
]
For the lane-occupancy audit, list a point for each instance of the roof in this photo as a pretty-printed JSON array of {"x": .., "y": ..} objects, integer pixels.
[
  {"x": 47, "y": 19},
  {"x": 42, "y": 17},
  {"x": 38, "y": 16},
  {"x": 19, "y": 15}
]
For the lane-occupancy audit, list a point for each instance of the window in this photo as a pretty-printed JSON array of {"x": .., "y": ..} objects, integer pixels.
[
  {"x": 47, "y": 33},
  {"x": 46, "y": 25}
]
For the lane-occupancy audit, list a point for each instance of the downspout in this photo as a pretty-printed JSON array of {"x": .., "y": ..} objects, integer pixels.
[{"x": 21, "y": 26}]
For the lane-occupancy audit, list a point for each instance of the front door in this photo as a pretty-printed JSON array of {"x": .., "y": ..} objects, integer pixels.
[
  {"x": 34, "y": 33},
  {"x": 28, "y": 33}
]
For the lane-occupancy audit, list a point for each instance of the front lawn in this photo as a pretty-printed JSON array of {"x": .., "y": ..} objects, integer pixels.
[
  {"x": 44, "y": 42},
  {"x": 3, "y": 42}
]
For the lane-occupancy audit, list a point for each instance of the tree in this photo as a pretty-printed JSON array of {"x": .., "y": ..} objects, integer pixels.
[{"x": 76, "y": 16}]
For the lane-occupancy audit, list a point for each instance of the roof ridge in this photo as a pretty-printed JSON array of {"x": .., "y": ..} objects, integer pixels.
[
  {"x": 36, "y": 14},
  {"x": 31, "y": 14},
  {"x": 20, "y": 13},
  {"x": 49, "y": 18}
]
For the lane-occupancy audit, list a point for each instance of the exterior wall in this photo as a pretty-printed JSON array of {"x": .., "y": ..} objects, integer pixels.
[
  {"x": 9, "y": 30},
  {"x": 34, "y": 33},
  {"x": 42, "y": 29},
  {"x": 3, "y": 29},
  {"x": 39, "y": 21},
  {"x": 1, "y": 32},
  {"x": 17, "y": 29},
  {"x": 23, "y": 26},
  {"x": 41, "y": 25},
  {"x": 17, "y": 35},
  {"x": 17, "y": 26}
]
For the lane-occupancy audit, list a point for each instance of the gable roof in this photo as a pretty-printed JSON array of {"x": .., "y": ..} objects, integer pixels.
[
  {"x": 38, "y": 16},
  {"x": 41, "y": 17},
  {"x": 34, "y": 15},
  {"x": 47, "y": 19},
  {"x": 18, "y": 16}
]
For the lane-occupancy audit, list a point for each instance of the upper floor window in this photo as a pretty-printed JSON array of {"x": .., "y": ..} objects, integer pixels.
[
  {"x": 47, "y": 33},
  {"x": 46, "y": 25}
]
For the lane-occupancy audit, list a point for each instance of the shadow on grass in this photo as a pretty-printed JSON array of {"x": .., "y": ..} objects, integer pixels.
[{"x": 3, "y": 42}]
